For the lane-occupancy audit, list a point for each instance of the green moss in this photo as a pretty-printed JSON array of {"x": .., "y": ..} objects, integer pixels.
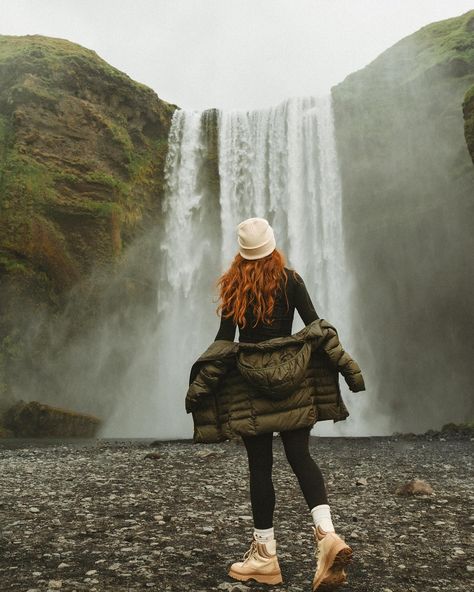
[
  {"x": 66, "y": 177},
  {"x": 143, "y": 165},
  {"x": 6, "y": 137},
  {"x": 120, "y": 135},
  {"x": 140, "y": 166},
  {"x": 33, "y": 88},
  {"x": 3, "y": 133},
  {"x": 101, "y": 208},
  {"x": 104, "y": 209},
  {"x": 448, "y": 39},
  {"x": 458, "y": 426},
  {"x": 469, "y": 96},
  {"x": 54, "y": 52},
  {"x": 26, "y": 180},
  {"x": 160, "y": 150},
  {"x": 12, "y": 264},
  {"x": 102, "y": 178},
  {"x": 106, "y": 179}
]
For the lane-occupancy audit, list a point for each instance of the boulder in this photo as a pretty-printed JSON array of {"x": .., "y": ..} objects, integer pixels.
[{"x": 37, "y": 420}]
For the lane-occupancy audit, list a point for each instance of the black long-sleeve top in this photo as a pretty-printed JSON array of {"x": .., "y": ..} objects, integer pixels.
[{"x": 298, "y": 298}]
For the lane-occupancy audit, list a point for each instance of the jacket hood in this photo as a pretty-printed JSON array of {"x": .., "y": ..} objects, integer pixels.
[
  {"x": 277, "y": 371},
  {"x": 222, "y": 349}
]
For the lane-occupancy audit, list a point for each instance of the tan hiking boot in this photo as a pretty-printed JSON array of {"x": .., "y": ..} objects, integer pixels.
[
  {"x": 259, "y": 563},
  {"x": 332, "y": 556}
]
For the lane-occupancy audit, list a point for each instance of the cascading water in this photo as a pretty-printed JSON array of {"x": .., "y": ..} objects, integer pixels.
[
  {"x": 281, "y": 164},
  {"x": 278, "y": 163}
]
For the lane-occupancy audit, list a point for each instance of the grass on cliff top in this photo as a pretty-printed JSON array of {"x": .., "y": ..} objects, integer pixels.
[
  {"x": 448, "y": 39},
  {"x": 55, "y": 50},
  {"x": 439, "y": 43},
  {"x": 26, "y": 183}
]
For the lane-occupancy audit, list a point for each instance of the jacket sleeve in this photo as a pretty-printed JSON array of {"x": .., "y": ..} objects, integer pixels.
[
  {"x": 346, "y": 365},
  {"x": 204, "y": 383}
]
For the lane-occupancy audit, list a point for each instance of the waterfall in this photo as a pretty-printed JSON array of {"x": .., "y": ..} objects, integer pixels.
[{"x": 279, "y": 163}]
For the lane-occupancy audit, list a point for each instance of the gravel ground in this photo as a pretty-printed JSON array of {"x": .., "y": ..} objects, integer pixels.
[{"x": 99, "y": 515}]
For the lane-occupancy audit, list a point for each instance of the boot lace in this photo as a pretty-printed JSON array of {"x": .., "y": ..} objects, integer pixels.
[{"x": 251, "y": 552}]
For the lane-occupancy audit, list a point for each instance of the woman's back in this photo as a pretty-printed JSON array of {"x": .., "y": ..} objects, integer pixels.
[
  {"x": 298, "y": 298},
  {"x": 257, "y": 275}
]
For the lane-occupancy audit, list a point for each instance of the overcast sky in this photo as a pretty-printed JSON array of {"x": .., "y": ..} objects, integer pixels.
[{"x": 231, "y": 54}]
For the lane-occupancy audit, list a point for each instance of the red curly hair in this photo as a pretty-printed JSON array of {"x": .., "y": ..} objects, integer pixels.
[{"x": 251, "y": 281}]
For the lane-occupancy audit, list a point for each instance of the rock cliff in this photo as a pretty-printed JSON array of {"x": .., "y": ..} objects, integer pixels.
[
  {"x": 408, "y": 189},
  {"x": 82, "y": 151}
]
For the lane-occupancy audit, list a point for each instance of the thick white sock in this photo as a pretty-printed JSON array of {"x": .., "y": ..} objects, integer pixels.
[
  {"x": 267, "y": 536},
  {"x": 264, "y": 535},
  {"x": 322, "y": 517}
]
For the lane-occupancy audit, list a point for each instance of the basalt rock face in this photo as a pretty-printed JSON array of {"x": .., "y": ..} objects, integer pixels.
[
  {"x": 82, "y": 152},
  {"x": 468, "y": 110},
  {"x": 408, "y": 213}
]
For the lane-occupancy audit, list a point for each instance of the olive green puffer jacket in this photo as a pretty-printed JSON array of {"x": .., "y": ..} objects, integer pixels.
[{"x": 282, "y": 383}]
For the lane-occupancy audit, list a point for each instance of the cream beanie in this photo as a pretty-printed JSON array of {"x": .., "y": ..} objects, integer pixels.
[{"x": 255, "y": 238}]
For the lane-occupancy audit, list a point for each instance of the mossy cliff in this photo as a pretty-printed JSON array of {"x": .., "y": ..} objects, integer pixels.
[
  {"x": 468, "y": 110},
  {"x": 408, "y": 214},
  {"x": 82, "y": 152}
]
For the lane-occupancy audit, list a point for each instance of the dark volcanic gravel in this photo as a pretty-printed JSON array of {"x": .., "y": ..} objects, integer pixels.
[{"x": 97, "y": 515}]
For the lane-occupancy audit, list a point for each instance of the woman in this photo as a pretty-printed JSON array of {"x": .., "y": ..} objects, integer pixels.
[{"x": 259, "y": 295}]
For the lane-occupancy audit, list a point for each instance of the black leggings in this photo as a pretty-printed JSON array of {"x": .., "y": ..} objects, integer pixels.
[{"x": 260, "y": 457}]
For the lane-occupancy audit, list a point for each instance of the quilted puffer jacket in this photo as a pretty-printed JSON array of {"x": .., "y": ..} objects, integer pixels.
[{"x": 278, "y": 384}]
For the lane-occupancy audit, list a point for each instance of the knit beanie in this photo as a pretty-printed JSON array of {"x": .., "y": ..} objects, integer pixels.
[{"x": 255, "y": 237}]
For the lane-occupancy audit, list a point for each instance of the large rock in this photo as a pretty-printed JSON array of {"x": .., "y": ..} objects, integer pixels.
[
  {"x": 408, "y": 214},
  {"x": 35, "y": 420}
]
